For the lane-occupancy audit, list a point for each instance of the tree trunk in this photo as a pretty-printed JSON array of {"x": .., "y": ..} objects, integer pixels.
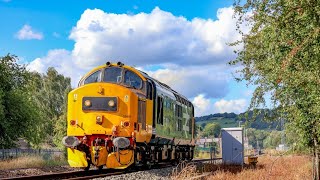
[{"x": 316, "y": 171}]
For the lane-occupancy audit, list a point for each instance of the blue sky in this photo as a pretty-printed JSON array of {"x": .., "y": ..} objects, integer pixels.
[
  {"x": 182, "y": 41},
  {"x": 60, "y": 16}
]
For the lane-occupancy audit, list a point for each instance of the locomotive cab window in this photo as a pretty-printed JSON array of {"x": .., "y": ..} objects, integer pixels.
[
  {"x": 112, "y": 74},
  {"x": 95, "y": 77},
  {"x": 132, "y": 79}
]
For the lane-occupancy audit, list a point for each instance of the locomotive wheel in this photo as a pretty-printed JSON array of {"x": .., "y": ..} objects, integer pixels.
[
  {"x": 148, "y": 165},
  {"x": 100, "y": 167},
  {"x": 88, "y": 167},
  {"x": 174, "y": 162}
]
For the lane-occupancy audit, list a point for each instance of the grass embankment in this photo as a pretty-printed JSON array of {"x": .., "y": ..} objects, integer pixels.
[
  {"x": 291, "y": 167},
  {"x": 32, "y": 162}
]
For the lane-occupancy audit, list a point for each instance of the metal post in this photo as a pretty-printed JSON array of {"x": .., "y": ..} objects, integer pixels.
[{"x": 211, "y": 154}]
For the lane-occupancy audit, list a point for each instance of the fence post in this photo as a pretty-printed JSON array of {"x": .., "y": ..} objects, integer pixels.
[{"x": 16, "y": 153}]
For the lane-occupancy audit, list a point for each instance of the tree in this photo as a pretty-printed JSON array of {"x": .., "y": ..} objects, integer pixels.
[
  {"x": 272, "y": 140},
  {"x": 281, "y": 57},
  {"x": 50, "y": 92},
  {"x": 19, "y": 115},
  {"x": 203, "y": 125},
  {"x": 212, "y": 129}
]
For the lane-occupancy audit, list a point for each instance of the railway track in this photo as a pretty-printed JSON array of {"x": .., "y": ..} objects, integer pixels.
[{"x": 77, "y": 175}]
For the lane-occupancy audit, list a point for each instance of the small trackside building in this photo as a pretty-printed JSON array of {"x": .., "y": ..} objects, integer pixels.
[{"x": 232, "y": 145}]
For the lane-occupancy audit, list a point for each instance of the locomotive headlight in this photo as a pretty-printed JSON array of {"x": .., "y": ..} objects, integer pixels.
[
  {"x": 111, "y": 103},
  {"x": 87, "y": 103}
]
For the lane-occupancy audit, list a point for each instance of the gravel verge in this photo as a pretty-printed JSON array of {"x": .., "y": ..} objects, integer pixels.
[
  {"x": 34, "y": 171},
  {"x": 153, "y": 174}
]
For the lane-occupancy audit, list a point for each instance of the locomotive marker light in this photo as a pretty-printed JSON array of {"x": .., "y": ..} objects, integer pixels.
[
  {"x": 99, "y": 120},
  {"x": 75, "y": 97},
  {"x": 73, "y": 122},
  {"x": 126, "y": 124},
  {"x": 108, "y": 64}
]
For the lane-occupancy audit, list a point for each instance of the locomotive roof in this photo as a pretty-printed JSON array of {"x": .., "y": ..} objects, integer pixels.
[{"x": 179, "y": 97}]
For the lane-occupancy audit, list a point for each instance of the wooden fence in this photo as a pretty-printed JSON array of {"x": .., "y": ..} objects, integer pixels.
[{"x": 13, "y": 153}]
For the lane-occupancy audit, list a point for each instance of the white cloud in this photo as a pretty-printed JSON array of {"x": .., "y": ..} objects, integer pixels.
[
  {"x": 193, "y": 80},
  {"x": 236, "y": 106},
  {"x": 155, "y": 38},
  {"x": 202, "y": 105},
  {"x": 205, "y": 106},
  {"x": 27, "y": 33},
  {"x": 192, "y": 54},
  {"x": 61, "y": 60}
]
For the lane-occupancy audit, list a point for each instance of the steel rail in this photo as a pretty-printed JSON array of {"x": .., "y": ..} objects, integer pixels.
[{"x": 78, "y": 175}]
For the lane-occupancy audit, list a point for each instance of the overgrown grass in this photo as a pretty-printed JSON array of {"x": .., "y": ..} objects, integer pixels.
[
  {"x": 32, "y": 162},
  {"x": 293, "y": 167},
  {"x": 203, "y": 155}
]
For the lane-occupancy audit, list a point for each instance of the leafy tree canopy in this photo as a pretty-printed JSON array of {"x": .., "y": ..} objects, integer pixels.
[
  {"x": 19, "y": 116},
  {"x": 211, "y": 129},
  {"x": 281, "y": 56},
  {"x": 32, "y": 105},
  {"x": 50, "y": 91}
]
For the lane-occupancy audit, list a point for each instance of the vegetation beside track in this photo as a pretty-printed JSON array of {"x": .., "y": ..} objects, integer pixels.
[
  {"x": 35, "y": 161},
  {"x": 293, "y": 167}
]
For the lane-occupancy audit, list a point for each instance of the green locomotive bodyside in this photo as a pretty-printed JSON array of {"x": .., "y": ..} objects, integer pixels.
[{"x": 176, "y": 124}]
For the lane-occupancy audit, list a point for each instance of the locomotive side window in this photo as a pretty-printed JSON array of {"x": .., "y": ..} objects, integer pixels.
[
  {"x": 95, "y": 77},
  {"x": 112, "y": 74},
  {"x": 132, "y": 79},
  {"x": 160, "y": 110},
  {"x": 178, "y": 114},
  {"x": 149, "y": 90}
]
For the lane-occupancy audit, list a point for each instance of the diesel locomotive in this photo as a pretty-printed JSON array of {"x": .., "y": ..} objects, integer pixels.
[{"x": 119, "y": 116}]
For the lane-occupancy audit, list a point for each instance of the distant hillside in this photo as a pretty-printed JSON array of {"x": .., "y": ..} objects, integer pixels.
[{"x": 232, "y": 120}]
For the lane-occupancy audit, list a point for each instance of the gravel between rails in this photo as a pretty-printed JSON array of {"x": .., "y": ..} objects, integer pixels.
[{"x": 153, "y": 174}]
